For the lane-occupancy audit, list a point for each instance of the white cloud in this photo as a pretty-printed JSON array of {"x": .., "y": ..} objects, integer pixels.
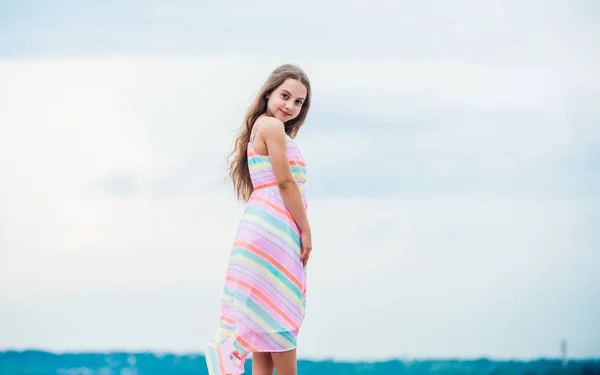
[
  {"x": 500, "y": 31},
  {"x": 69, "y": 128},
  {"x": 464, "y": 108},
  {"x": 431, "y": 269}
]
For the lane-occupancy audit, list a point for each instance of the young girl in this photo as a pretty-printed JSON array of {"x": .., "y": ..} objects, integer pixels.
[{"x": 263, "y": 301}]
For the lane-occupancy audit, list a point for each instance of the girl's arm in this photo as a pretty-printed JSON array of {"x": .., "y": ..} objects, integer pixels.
[{"x": 273, "y": 133}]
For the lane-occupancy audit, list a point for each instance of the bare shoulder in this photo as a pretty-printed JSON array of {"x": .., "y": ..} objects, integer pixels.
[{"x": 270, "y": 126}]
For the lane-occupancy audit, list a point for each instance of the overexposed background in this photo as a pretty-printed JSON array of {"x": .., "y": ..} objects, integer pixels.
[{"x": 452, "y": 151}]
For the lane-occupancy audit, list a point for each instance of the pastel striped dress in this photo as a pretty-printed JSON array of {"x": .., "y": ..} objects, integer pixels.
[{"x": 264, "y": 298}]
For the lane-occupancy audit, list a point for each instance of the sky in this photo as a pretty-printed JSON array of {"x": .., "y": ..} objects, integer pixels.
[{"x": 453, "y": 163}]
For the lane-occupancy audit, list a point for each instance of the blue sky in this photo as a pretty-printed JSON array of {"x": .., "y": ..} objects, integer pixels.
[{"x": 453, "y": 172}]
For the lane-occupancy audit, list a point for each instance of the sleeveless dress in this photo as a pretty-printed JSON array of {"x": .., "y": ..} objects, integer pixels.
[{"x": 264, "y": 297}]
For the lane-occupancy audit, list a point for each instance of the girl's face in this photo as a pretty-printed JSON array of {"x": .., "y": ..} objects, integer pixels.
[{"x": 285, "y": 102}]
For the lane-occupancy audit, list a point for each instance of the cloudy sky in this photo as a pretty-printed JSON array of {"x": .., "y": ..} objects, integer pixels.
[{"x": 453, "y": 155}]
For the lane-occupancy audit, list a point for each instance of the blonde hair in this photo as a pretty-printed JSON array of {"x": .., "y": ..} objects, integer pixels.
[{"x": 238, "y": 159}]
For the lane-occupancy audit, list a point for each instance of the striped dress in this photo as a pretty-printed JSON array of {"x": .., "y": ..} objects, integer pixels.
[{"x": 264, "y": 297}]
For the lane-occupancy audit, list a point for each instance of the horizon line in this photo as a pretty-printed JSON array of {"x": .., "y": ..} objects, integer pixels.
[{"x": 312, "y": 359}]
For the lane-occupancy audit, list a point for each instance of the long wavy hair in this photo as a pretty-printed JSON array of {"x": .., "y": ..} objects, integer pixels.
[{"x": 238, "y": 159}]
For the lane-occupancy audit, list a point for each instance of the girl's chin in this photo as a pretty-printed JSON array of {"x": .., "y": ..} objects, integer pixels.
[{"x": 279, "y": 116}]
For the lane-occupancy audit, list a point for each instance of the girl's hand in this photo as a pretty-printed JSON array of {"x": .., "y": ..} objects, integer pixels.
[{"x": 306, "y": 242}]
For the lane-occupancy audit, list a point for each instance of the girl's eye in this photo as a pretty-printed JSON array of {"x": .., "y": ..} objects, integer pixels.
[
  {"x": 299, "y": 102},
  {"x": 284, "y": 95}
]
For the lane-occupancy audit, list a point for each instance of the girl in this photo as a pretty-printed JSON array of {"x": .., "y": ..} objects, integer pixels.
[{"x": 263, "y": 301}]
